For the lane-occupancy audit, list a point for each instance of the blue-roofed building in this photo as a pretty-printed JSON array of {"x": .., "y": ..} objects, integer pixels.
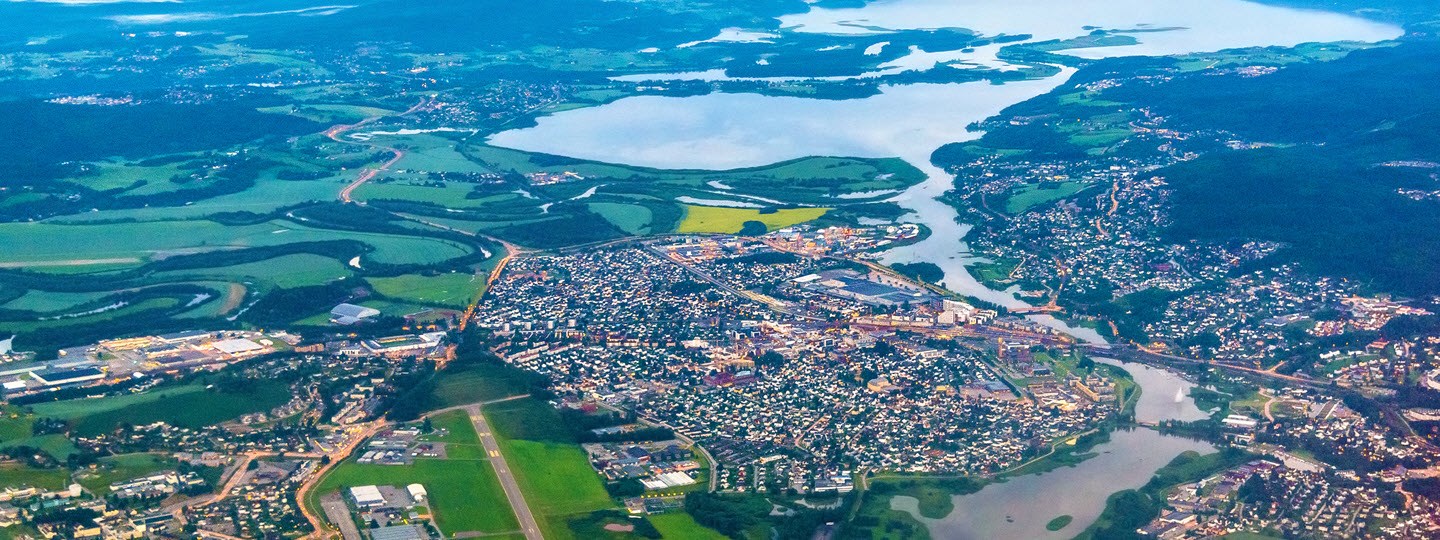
[{"x": 62, "y": 377}]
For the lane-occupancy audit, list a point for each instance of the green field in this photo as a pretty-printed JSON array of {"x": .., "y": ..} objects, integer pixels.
[
  {"x": 140, "y": 241},
  {"x": 631, "y": 218},
  {"x": 463, "y": 385},
  {"x": 50, "y": 302},
  {"x": 55, "y": 444},
  {"x": 1033, "y": 195},
  {"x": 465, "y": 495},
  {"x": 550, "y": 467},
  {"x": 460, "y": 439},
  {"x": 15, "y": 475},
  {"x": 190, "y": 406},
  {"x": 680, "y": 526},
  {"x": 715, "y": 219},
  {"x": 453, "y": 290},
  {"x": 284, "y": 272}
]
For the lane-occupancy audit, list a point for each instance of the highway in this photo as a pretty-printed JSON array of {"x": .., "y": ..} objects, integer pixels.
[{"x": 507, "y": 479}]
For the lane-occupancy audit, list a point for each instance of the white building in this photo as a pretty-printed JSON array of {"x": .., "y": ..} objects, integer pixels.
[{"x": 367, "y": 496}]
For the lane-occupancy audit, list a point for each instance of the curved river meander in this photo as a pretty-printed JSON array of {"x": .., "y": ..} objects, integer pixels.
[{"x": 724, "y": 130}]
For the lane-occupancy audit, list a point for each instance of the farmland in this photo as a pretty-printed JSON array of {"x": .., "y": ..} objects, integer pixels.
[{"x": 711, "y": 219}]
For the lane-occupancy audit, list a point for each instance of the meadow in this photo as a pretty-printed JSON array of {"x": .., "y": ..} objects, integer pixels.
[
  {"x": 465, "y": 495},
  {"x": 679, "y": 525},
  {"x": 454, "y": 290}
]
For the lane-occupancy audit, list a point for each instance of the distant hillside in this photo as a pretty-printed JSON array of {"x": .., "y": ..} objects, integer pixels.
[{"x": 1333, "y": 195}]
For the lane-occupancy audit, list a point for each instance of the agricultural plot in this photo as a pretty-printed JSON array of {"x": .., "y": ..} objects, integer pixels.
[{"x": 714, "y": 219}]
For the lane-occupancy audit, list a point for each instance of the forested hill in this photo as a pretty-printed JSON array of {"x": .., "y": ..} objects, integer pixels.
[{"x": 1356, "y": 132}]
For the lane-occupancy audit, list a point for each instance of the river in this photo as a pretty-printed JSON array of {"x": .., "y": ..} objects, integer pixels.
[
  {"x": 731, "y": 130},
  {"x": 1020, "y": 508}
]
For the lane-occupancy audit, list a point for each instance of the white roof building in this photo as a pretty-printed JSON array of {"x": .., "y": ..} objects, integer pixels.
[
  {"x": 367, "y": 496},
  {"x": 237, "y": 346},
  {"x": 417, "y": 492},
  {"x": 351, "y": 313}
]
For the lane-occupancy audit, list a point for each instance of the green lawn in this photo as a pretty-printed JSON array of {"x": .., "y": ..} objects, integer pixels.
[
  {"x": 715, "y": 219},
  {"x": 461, "y": 442},
  {"x": 48, "y": 302},
  {"x": 552, "y": 470},
  {"x": 463, "y": 385},
  {"x": 631, "y": 218},
  {"x": 55, "y": 444},
  {"x": 464, "y": 495},
  {"x": 286, "y": 271},
  {"x": 28, "y": 242},
  {"x": 14, "y": 425},
  {"x": 15, "y": 475},
  {"x": 1033, "y": 195},
  {"x": 680, "y": 526}
]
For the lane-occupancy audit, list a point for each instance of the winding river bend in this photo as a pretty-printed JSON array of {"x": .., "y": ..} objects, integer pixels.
[
  {"x": 730, "y": 130},
  {"x": 1020, "y": 508}
]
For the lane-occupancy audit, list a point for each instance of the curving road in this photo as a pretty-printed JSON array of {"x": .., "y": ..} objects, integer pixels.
[{"x": 334, "y": 134}]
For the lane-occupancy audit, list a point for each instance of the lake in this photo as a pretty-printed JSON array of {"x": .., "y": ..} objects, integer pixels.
[{"x": 730, "y": 130}]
